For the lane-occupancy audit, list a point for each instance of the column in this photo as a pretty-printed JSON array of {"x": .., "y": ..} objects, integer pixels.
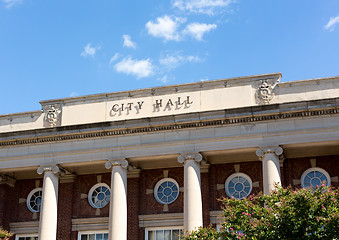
[
  {"x": 49, "y": 202},
  {"x": 270, "y": 166},
  {"x": 192, "y": 191},
  {"x": 118, "y": 202}
]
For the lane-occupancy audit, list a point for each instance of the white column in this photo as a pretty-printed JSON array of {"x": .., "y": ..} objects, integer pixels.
[
  {"x": 118, "y": 202},
  {"x": 192, "y": 191},
  {"x": 49, "y": 203},
  {"x": 270, "y": 166}
]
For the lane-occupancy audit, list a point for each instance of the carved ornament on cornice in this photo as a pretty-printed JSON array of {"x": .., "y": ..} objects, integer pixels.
[
  {"x": 52, "y": 114},
  {"x": 265, "y": 91}
]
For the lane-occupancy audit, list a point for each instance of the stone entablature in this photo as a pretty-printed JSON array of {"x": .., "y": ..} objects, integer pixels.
[
  {"x": 160, "y": 124},
  {"x": 198, "y": 97}
]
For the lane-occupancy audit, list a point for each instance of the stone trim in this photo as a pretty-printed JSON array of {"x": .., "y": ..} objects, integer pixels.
[
  {"x": 195, "y": 86},
  {"x": 5, "y": 179},
  {"x": 161, "y": 220},
  {"x": 24, "y": 227},
  {"x": 156, "y": 128},
  {"x": 85, "y": 224},
  {"x": 216, "y": 217}
]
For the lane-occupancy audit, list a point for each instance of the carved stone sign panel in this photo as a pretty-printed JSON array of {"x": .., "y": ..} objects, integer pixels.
[{"x": 156, "y": 106}]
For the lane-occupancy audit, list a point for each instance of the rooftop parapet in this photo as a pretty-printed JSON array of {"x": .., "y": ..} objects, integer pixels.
[{"x": 202, "y": 96}]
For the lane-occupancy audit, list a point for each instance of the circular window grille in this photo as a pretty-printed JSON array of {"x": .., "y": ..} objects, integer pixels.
[
  {"x": 34, "y": 200},
  {"x": 166, "y": 191},
  {"x": 238, "y": 185},
  {"x": 314, "y": 177},
  {"x": 99, "y": 195}
]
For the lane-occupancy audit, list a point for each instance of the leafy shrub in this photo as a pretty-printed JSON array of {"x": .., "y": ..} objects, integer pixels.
[
  {"x": 5, "y": 235},
  {"x": 283, "y": 214}
]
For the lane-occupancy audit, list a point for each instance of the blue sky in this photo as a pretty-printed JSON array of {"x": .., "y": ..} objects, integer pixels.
[{"x": 57, "y": 49}]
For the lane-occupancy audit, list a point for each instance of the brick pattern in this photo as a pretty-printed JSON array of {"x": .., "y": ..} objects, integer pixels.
[
  {"x": 84, "y": 183},
  {"x": 205, "y": 199},
  {"x": 71, "y": 205},
  {"x": 20, "y": 212},
  {"x": 220, "y": 172},
  {"x": 133, "y": 207},
  {"x": 6, "y": 196},
  {"x": 65, "y": 207},
  {"x": 148, "y": 180},
  {"x": 297, "y": 166}
]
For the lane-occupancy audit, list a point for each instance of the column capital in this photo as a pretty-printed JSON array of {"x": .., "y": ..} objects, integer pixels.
[
  {"x": 272, "y": 149},
  {"x": 189, "y": 156},
  {"x": 52, "y": 168},
  {"x": 119, "y": 162}
]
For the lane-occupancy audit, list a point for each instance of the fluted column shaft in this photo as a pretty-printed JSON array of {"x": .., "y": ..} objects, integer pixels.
[
  {"x": 270, "y": 167},
  {"x": 192, "y": 191},
  {"x": 49, "y": 203},
  {"x": 118, "y": 201}
]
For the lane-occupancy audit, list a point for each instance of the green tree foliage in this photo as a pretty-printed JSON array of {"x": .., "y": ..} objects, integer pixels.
[{"x": 283, "y": 214}]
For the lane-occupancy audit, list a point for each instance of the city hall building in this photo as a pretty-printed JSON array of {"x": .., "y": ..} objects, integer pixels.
[{"x": 149, "y": 164}]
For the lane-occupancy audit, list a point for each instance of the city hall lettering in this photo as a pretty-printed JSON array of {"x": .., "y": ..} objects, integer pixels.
[{"x": 157, "y": 105}]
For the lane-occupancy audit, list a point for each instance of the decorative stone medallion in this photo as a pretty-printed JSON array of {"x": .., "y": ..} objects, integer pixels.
[
  {"x": 265, "y": 91},
  {"x": 52, "y": 114}
]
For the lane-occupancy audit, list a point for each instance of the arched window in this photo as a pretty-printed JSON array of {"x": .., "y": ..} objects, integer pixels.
[
  {"x": 238, "y": 185},
  {"x": 99, "y": 195},
  {"x": 166, "y": 191},
  {"x": 34, "y": 200},
  {"x": 314, "y": 177}
]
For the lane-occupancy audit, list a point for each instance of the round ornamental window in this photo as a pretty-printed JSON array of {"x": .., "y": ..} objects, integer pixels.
[
  {"x": 238, "y": 185},
  {"x": 166, "y": 191},
  {"x": 314, "y": 177},
  {"x": 34, "y": 200},
  {"x": 99, "y": 195}
]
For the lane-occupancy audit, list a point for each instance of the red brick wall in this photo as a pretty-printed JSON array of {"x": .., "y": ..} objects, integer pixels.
[
  {"x": 65, "y": 207},
  {"x": 148, "y": 180},
  {"x": 220, "y": 172},
  {"x": 6, "y": 204},
  {"x": 132, "y": 208},
  {"x": 294, "y": 168},
  {"x": 20, "y": 212},
  {"x": 71, "y": 205},
  {"x": 205, "y": 199},
  {"x": 83, "y": 184}
]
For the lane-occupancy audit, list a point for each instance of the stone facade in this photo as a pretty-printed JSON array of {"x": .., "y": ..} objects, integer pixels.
[{"x": 198, "y": 135}]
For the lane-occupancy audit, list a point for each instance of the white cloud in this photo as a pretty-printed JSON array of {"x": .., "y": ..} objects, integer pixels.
[
  {"x": 163, "y": 79},
  {"x": 128, "y": 42},
  {"x": 11, "y": 3},
  {"x": 138, "y": 68},
  {"x": 174, "y": 61},
  {"x": 210, "y": 7},
  {"x": 331, "y": 23},
  {"x": 165, "y": 27},
  {"x": 74, "y": 94},
  {"x": 115, "y": 57},
  {"x": 89, "y": 51},
  {"x": 197, "y": 30}
]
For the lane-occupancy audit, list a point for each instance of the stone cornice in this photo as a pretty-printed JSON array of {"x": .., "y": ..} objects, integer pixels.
[
  {"x": 231, "y": 116},
  {"x": 236, "y": 81}
]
